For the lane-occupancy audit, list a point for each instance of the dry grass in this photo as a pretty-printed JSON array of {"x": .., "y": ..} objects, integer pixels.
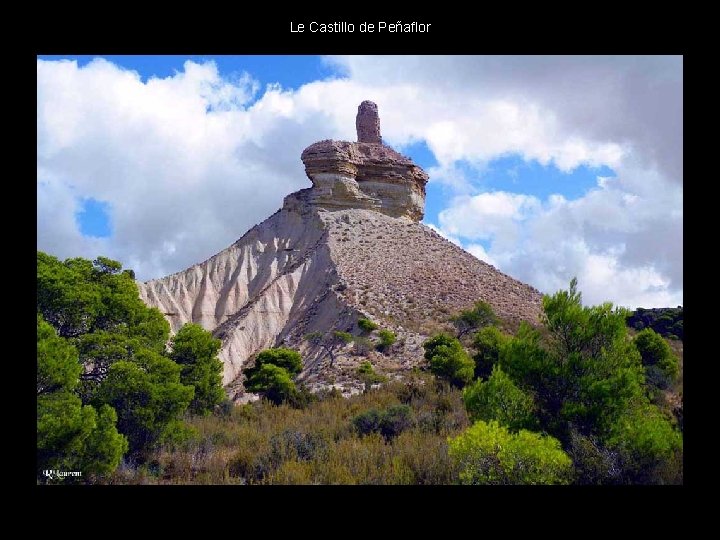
[{"x": 261, "y": 443}]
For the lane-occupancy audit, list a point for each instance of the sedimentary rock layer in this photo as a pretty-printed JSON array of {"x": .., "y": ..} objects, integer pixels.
[{"x": 365, "y": 175}]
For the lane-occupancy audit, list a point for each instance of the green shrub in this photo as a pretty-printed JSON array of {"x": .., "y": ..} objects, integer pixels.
[
  {"x": 366, "y": 325},
  {"x": 387, "y": 339},
  {"x": 288, "y": 359},
  {"x": 500, "y": 399},
  {"x": 76, "y": 437},
  {"x": 272, "y": 376},
  {"x": 449, "y": 360},
  {"x": 70, "y": 436},
  {"x": 147, "y": 396},
  {"x": 389, "y": 422},
  {"x": 488, "y": 343},
  {"x": 470, "y": 320},
  {"x": 488, "y": 453},
  {"x": 273, "y": 382},
  {"x": 395, "y": 420},
  {"x": 368, "y": 376},
  {"x": 656, "y": 352},
  {"x": 645, "y": 440},
  {"x": 367, "y": 422},
  {"x": 196, "y": 350}
]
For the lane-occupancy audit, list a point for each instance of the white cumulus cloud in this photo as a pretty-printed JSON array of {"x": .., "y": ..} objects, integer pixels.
[{"x": 188, "y": 163}]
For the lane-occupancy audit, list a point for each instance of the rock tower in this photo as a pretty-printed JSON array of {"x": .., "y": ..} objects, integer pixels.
[
  {"x": 367, "y": 123},
  {"x": 364, "y": 174}
]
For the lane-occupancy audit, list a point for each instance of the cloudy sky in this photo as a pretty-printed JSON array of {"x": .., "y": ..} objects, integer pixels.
[{"x": 545, "y": 167}]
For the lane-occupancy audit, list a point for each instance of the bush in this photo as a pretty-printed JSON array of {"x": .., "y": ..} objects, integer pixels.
[
  {"x": 389, "y": 422},
  {"x": 196, "y": 350},
  {"x": 366, "y": 325},
  {"x": 645, "y": 440},
  {"x": 488, "y": 453},
  {"x": 488, "y": 342},
  {"x": 395, "y": 420},
  {"x": 449, "y": 360},
  {"x": 471, "y": 319},
  {"x": 288, "y": 359},
  {"x": 148, "y": 397},
  {"x": 272, "y": 376},
  {"x": 387, "y": 339},
  {"x": 367, "y": 422},
  {"x": 500, "y": 399},
  {"x": 368, "y": 376},
  {"x": 70, "y": 435},
  {"x": 76, "y": 437},
  {"x": 273, "y": 382},
  {"x": 656, "y": 352}
]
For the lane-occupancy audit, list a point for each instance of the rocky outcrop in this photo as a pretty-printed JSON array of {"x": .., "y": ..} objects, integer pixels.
[
  {"x": 366, "y": 174},
  {"x": 367, "y": 123},
  {"x": 349, "y": 247}
]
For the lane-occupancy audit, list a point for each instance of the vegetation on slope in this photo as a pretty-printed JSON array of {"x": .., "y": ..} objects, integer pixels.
[
  {"x": 396, "y": 434},
  {"x": 576, "y": 401},
  {"x": 668, "y": 322}
]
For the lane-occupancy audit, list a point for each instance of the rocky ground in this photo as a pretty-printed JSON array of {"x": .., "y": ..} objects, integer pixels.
[{"x": 408, "y": 279}]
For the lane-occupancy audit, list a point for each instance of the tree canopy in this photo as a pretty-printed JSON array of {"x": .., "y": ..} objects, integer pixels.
[
  {"x": 449, "y": 360},
  {"x": 272, "y": 374},
  {"x": 500, "y": 399},
  {"x": 106, "y": 383},
  {"x": 273, "y": 382},
  {"x": 487, "y": 342},
  {"x": 582, "y": 380},
  {"x": 196, "y": 351},
  {"x": 70, "y": 436}
]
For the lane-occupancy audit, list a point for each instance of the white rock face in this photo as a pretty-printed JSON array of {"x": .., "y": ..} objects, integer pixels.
[{"x": 248, "y": 293}]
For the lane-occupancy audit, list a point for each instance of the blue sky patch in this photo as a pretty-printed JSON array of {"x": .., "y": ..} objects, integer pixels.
[
  {"x": 511, "y": 174},
  {"x": 515, "y": 175},
  {"x": 94, "y": 218}
]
